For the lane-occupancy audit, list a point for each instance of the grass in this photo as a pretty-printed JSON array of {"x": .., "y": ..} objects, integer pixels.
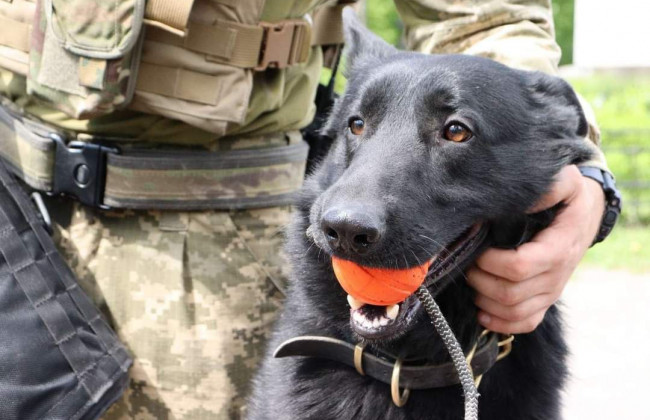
[{"x": 626, "y": 248}]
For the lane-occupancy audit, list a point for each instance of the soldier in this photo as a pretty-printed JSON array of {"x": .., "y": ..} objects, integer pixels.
[{"x": 190, "y": 149}]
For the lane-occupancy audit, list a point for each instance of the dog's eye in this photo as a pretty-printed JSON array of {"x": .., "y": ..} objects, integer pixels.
[
  {"x": 457, "y": 132},
  {"x": 356, "y": 126}
]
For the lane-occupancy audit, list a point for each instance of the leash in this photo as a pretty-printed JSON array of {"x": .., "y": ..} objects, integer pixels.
[{"x": 455, "y": 351}]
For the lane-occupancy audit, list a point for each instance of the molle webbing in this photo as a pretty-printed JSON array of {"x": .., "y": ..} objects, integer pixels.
[
  {"x": 328, "y": 24},
  {"x": 226, "y": 42},
  {"x": 162, "y": 179},
  {"x": 171, "y": 15},
  {"x": 58, "y": 357}
]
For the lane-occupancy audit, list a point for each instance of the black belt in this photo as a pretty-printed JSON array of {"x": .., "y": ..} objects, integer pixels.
[{"x": 101, "y": 175}]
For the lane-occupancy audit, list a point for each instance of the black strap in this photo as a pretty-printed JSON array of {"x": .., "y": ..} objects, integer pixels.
[
  {"x": 613, "y": 200},
  {"x": 90, "y": 349},
  {"x": 319, "y": 143},
  {"x": 381, "y": 368}
]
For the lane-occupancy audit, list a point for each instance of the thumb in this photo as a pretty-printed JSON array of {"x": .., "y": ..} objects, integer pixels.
[{"x": 566, "y": 185}]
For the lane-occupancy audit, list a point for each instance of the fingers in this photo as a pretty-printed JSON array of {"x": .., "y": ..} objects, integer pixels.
[
  {"x": 516, "y": 287},
  {"x": 563, "y": 242},
  {"x": 515, "y": 313},
  {"x": 506, "y": 292},
  {"x": 568, "y": 183},
  {"x": 508, "y": 327},
  {"x": 511, "y": 307},
  {"x": 529, "y": 260}
]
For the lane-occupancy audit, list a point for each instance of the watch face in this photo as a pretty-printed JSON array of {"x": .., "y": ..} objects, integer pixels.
[{"x": 610, "y": 217}]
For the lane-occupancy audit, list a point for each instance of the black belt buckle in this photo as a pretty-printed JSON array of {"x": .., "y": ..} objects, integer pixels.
[{"x": 80, "y": 170}]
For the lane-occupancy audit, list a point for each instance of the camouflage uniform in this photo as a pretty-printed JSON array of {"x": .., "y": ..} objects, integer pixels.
[{"x": 193, "y": 294}]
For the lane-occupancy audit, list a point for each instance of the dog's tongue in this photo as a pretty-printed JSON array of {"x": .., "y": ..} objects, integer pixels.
[{"x": 378, "y": 286}]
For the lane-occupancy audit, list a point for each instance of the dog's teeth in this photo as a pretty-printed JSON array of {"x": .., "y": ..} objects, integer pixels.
[
  {"x": 354, "y": 304},
  {"x": 375, "y": 323},
  {"x": 392, "y": 311},
  {"x": 357, "y": 317},
  {"x": 383, "y": 321}
]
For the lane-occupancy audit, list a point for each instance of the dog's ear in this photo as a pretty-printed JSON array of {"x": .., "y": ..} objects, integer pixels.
[
  {"x": 361, "y": 44},
  {"x": 561, "y": 96},
  {"x": 562, "y": 118}
]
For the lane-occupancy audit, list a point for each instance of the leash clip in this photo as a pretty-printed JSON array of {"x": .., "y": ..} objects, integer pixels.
[
  {"x": 504, "y": 346},
  {"x": 470, "y": 357},
  {"x": 506, "y": 343}
]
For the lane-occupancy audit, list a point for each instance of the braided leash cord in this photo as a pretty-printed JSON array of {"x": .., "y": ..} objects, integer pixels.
[{"x": 455, "y": 351}]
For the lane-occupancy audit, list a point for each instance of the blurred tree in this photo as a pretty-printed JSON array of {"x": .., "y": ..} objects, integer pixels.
[
  {"x": 563, "y": 17},
  {"x": 382, "y": 18}
]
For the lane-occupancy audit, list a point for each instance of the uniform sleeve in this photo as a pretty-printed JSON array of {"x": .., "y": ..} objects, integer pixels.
[{"x": 519, "y": 34}]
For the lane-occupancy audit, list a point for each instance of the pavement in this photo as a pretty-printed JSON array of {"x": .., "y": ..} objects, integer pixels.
[{"x": 608, "y": 326}]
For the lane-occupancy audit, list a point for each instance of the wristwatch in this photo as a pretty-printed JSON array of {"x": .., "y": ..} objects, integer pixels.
[{"x": 613, "y": 201}]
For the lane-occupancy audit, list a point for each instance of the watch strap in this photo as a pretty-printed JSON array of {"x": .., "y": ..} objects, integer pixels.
[{"x": 613, "y": 200}]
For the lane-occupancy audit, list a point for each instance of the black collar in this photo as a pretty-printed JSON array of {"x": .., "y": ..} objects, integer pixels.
[{"x": 382, "y": 366}]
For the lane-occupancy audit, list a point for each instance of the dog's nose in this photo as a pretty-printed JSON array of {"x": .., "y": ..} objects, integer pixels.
[{"x": 351, "y": 229}]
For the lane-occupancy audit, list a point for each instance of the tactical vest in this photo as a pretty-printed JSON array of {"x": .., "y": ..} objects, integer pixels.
[{"x": 180, "y": 72}]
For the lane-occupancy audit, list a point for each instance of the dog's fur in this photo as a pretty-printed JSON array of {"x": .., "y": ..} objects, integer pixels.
[{"x": 425, "y": 191}]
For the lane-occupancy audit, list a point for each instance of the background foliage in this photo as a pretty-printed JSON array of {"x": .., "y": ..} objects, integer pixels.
[{"x": 563, "y": 18}]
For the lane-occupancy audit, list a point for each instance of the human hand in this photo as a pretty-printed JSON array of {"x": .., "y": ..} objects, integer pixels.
[{"x": 516, "y": 287}]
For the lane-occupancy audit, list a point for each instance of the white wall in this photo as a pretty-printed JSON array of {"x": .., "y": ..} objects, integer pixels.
[{"x": 611, "y": 33}]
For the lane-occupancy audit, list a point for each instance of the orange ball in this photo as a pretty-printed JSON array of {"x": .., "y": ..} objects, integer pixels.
[{"x": 378, "y": 286}]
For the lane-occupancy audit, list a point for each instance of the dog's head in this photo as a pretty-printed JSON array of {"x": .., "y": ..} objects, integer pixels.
[{"x": 428, "y": 148}]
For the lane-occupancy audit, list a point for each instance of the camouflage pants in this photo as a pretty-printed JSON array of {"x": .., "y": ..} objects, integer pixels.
[{"x": 191, "y": 294}]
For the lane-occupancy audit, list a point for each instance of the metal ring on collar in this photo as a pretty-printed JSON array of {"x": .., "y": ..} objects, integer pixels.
[{"x": 398, "y": 400}]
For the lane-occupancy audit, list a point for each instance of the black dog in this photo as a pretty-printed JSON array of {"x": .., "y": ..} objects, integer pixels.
[{"x": 430, "y": 151}]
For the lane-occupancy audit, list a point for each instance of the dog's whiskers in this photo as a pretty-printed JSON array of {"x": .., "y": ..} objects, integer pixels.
[
  {"x": 396, "y": 265},
  {"x": 416, "y": 257},
  {"x": 444, "y": 248},
  {"x": 311, "y": 245},
  {"x": 405, "y": 260}
]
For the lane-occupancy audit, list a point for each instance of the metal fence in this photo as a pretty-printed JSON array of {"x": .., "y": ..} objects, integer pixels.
[{"x": 631, "y": 166}]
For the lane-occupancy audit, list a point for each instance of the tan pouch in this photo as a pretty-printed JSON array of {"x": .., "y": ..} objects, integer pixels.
[
  {"x": 204, "y": 75},
  {"x": 179, "y": 77},
  {"x": 84, "y": 54},
  {"x": 16, "y": 18}
]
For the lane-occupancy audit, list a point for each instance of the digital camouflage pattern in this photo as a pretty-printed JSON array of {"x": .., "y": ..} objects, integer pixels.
[{"x": 193, "y": 296}]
